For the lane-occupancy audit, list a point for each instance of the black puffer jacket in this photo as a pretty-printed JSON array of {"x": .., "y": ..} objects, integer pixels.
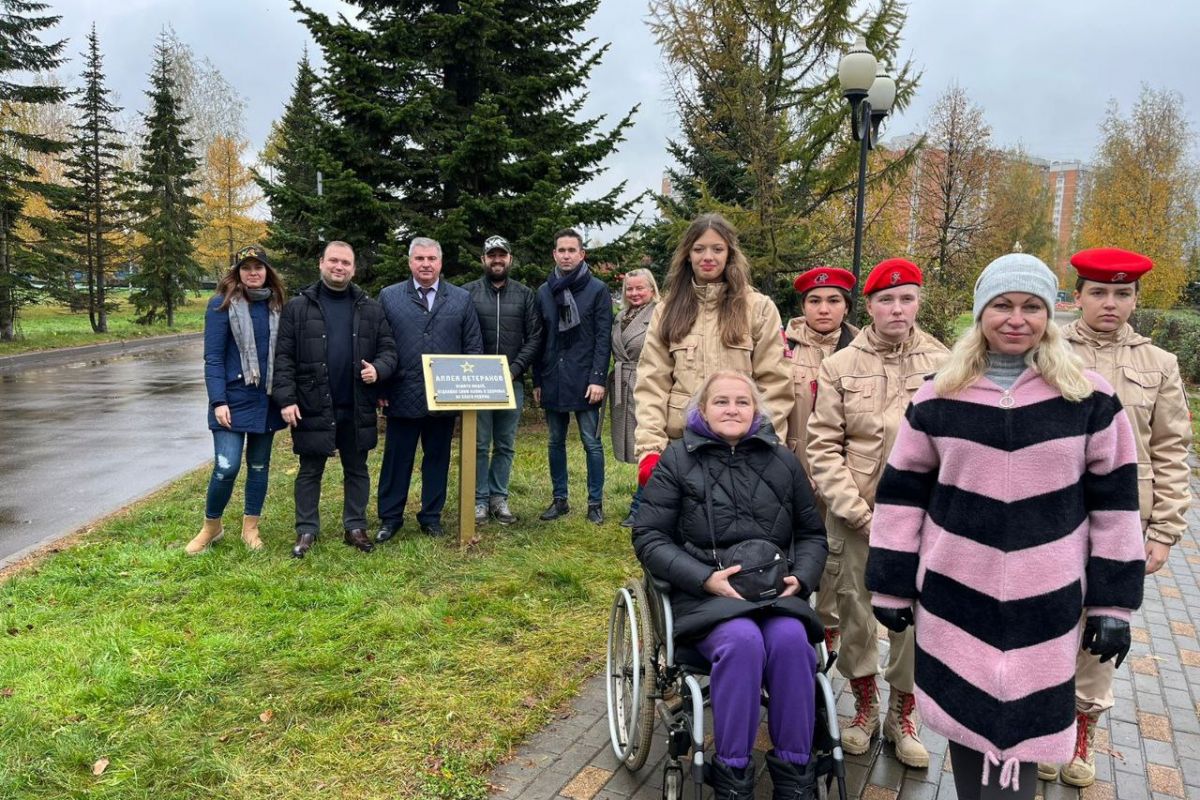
[
  {"x": 509, "y": 321},
  {"x": 759, "y": 491},
  {"x": 302, "y": 372}
]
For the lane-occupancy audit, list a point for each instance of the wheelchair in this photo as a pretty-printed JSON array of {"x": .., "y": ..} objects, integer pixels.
[{"x": 648, "y": 675}]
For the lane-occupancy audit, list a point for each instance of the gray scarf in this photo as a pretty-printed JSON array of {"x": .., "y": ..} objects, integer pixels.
[
  {"x": 561, "y": 287},
  {"x": 242, "y": 328}
]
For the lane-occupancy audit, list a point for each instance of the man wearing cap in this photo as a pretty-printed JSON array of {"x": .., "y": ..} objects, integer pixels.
[
  {"x": 819, "y": 332},
  {"x": 862, "y": 393},
  {"x": 1147, "y": 381},
  {"x": 430, "y": 316},
  {"x": 335, "y": 349},
  {"x": 512, "y": 327}
]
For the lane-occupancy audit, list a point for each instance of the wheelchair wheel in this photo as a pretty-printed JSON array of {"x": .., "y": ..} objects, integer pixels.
[{"x": 631, "y": 677}]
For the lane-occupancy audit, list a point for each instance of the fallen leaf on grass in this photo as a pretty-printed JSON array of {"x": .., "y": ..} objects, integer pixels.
[
  {"x": 267, "y": 715},
  {"x": 99, "y": 767},
  {"x": 12, "y": 631},
  {"x": 529, "y": 701},
  {"x": 6, "y": 692},
  {"x": 434, "y": 763}
]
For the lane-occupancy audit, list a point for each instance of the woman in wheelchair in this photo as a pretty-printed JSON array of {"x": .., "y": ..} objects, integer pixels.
[{"x": 728, "y": 520}]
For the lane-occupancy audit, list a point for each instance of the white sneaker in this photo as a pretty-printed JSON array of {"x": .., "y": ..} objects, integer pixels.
[{"x": 481, "y": 513}]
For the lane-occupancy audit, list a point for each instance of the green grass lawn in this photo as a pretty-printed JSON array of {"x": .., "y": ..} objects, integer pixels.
[
  {"x": 46, "y": 325},
  {"x": 408, "y": 672}
]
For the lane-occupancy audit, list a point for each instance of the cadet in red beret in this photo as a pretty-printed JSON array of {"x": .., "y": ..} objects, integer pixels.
[
  {"x": 892, "y": 272},
  {"x": 1147, "y": 381},
  {"x": 820, "y": 331}
]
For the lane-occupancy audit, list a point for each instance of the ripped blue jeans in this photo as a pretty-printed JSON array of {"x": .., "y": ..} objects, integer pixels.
[{"x": 227, "y": 460}]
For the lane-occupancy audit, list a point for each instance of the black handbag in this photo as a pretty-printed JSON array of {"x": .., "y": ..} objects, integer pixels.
[
  {"x": 763, "y": 565},
  {"x": 763, "y": 568}
]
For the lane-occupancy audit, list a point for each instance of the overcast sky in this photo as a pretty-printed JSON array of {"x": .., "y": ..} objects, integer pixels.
[{"x": 1042, "y": 70}]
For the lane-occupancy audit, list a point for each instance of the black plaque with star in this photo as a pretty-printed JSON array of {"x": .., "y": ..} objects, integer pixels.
[{"x": 459, "y": 382}]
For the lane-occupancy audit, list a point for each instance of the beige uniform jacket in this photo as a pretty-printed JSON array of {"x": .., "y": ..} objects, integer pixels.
[
  {"x": 809, "y": 348},
  {"x": 669, "y": 374},
  {"x": 1147, "y": 382},
  {"x": 862, "y": 394}
]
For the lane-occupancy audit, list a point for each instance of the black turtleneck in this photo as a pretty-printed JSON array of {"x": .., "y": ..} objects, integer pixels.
[{"x": 338, "y": 309}]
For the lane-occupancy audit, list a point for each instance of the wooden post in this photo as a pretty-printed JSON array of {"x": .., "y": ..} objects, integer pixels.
[{"x": 466, "y": 480}]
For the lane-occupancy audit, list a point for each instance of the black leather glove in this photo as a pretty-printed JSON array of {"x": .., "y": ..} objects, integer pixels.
[
  {"x": 1107, "y": 637},
  {"x": 894, "y": 619}
]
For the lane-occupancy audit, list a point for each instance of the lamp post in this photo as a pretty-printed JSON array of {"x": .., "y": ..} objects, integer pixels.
[{"x": 871, "y": 92}]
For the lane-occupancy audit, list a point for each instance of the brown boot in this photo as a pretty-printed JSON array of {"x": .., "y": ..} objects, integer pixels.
[
  {"x": 856, "y": 737},
  {"x": 210, "y": 534},
  {"x": 901, "y": 727},
  {"x": 250, "y": 533},
  {"x": 1081, "y": 772}
]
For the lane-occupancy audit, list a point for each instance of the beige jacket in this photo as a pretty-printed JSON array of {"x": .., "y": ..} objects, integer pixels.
[
  {"x": 1147, "y": 381},
  {"x": 862, "y": 393},
  {"x": 669, "y": 374},
  {"x": 809, "y": 348}
]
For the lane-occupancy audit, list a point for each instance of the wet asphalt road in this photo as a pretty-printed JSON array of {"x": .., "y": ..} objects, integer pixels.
[{"x": 80, "y": 440}]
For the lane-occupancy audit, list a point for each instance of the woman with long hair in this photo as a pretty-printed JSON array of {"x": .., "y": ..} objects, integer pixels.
[
  {"x": 724, "y": 495},
  {"x": 1008, "y": 510},
  {"x": 639, "y": 296},
  {"x": 240, "y": 328},
  {"x": 712, "y": 319}
]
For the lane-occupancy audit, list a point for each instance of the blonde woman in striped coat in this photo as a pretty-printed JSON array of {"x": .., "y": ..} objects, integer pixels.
[{"x": 1008, "y": 509}]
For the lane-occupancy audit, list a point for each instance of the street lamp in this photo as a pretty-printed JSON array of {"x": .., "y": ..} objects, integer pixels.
[{"x": 871, "y": 92}]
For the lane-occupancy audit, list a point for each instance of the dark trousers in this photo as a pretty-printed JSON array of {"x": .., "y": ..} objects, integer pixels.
[
  {"x": 968, "y": 777},
  {"x": 356, "y": 481},
  {"x": 436, "y": 435}
]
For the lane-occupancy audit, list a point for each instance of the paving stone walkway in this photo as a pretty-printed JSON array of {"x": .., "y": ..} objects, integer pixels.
[{"x": 1148, "y": 746}]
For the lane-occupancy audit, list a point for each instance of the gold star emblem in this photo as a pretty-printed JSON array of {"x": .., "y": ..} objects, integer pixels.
[{"x": 468, "y": 368}]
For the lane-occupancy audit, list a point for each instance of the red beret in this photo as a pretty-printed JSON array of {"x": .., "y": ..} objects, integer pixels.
[
  {"x": 819, "y": 277},
  {"x": 890, "y": 273},
  {"x": 1110, "y": 265}
]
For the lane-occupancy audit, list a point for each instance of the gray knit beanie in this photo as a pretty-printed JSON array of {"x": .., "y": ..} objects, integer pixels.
[{"x": 1015, "y": 272}]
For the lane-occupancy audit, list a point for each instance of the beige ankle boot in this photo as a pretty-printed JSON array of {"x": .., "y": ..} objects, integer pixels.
[
  {"x": 856, "y": 737},
  {"x": 208, "y": 535},
  {"x": 901, "y": 727},
  {"x": 250, "y": 533},
  {"x": 1081, "y": 772}
]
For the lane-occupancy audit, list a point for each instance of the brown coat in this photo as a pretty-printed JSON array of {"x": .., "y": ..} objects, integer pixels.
[
  {"x": 809, "y": 349},
  {"x": 1149, "y": 386},
  {"x": 862, "y": 394},
  {"x": 669, "y": 374},
  {"x": 627, "y": 340}
]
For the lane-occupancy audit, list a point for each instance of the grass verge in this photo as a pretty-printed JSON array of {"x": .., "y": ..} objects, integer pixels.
[
  {"x": 46, "y": 326},
  {"x": 408, "y": 672}
]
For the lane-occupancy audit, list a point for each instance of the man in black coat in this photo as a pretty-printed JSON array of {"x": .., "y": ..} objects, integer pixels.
[
  {"x": 434, "y": 316},
  {"x": 334, "y": 349},
  {"x": 512, "y": 327},
  {"x": 570, "y": 377}
]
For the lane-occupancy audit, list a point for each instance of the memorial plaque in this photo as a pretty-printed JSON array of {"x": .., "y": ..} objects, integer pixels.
[{"x": 461, "y": 382}]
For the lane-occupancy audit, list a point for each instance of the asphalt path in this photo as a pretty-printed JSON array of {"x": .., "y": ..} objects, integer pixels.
[{"x": 81, "y": 439}]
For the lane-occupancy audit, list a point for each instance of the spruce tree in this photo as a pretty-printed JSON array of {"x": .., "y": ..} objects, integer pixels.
[
  {"x": 293, "y": 157},
  {"x": 165, "y": 205},
  {"x": 97, "y": 184},
  {"x": 22, "y": 56},
  {"x": 457, "y": 119}
]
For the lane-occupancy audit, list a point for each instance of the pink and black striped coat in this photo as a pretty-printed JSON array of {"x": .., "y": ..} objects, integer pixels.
[{"x": 1004, "y": 515}]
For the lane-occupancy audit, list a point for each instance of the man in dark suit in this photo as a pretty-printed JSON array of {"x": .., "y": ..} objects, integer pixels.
[{"x": 429, "y": 316}]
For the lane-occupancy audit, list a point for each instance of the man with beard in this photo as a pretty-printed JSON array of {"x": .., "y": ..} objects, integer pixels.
[
  {"x": 511, "y": 327},
  {"x": 576, "y": 309}
]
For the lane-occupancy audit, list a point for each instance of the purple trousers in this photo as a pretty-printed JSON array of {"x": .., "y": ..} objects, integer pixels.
[{"x": 747, "y": 654}]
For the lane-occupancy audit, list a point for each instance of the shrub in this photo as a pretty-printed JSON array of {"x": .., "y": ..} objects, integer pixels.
[{"x": 1176, "y": 332}]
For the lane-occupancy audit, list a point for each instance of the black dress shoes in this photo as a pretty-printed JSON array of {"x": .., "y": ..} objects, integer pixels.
[
  {"x": 357, "y": 537},
  {"x": 304, "y": 541},
  {"x": 595, "y": 513},
  {"x": 434, "y": 529},
  {"x": 558, "y": 507},
  {"x": 387, "y": 530},
  {"x": 628, "y": 521}
]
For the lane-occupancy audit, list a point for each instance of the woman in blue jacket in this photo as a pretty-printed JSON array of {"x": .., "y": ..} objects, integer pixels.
[{"x": 240, "y": 327}]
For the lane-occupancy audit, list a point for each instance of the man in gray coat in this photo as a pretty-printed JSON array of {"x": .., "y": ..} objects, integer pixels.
[{"x": 512, "y": 327}]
